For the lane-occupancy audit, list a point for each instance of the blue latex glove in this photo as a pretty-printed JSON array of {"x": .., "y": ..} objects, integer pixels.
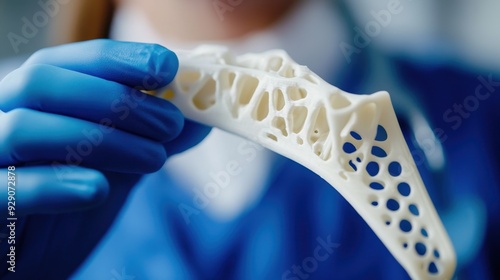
[{"x": 80, "y": 134}]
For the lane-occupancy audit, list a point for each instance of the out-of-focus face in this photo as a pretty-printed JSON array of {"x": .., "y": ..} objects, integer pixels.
[{"x": 193, "y": 20}]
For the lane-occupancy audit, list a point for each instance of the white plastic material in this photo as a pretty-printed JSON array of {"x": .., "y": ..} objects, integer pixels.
[{"x": 352, "y": 141}]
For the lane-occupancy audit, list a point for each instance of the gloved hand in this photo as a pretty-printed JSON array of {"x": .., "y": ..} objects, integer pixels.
[{"x": 80, "y": 134}]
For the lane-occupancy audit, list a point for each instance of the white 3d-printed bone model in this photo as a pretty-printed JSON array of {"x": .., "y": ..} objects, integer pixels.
[{"x": 352, "y": 141}]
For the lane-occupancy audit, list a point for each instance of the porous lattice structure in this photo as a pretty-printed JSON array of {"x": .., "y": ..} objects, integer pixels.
[{"x": 352, "y": 141}]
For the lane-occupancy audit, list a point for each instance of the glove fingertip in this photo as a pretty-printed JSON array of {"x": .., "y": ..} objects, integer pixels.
[
  {"x": 191, "y": 135},
  {"x": 93, "y": 191},
  {"x": 166, "y": 65}
]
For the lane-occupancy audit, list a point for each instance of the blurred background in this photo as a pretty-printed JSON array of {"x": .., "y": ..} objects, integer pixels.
[
  {"x": 11, "y": 14},
  {"x": 458, "y": 31},
  {"x": 469, "y": 28}
]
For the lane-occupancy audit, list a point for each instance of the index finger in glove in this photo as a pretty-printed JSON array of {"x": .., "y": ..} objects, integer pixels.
[
  {"x": 138, "y": 65},
  {"x": 60, "y": 91},
  {"x": 47, "y": 189},
  {"x": 28, "y": 136}
]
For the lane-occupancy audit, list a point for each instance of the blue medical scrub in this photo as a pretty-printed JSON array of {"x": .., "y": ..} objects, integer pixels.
[{"x": 302, "y": 228}]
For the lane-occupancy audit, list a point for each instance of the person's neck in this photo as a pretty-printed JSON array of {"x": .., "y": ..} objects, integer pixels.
[{"x": 204, "y": 20}]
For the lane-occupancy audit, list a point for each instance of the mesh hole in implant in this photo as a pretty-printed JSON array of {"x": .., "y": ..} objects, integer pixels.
[
  {"x": 395, "y": 168},
  {"x": 262, "y": 109},
  {"x": 247, "y": 87},
  {"x": 227, "y": 79},
  {"x": 297, "y": 117},
  {"x": 378, "y": 152},
  {"x": 405, "y": 225},
  {"x": 275, "y": 63},
  {"x": 404, "y": 189},
  {"x": 381, "y": 134},
  {"x": 387, "y": 220},
  {"x": 272, "y": 137},
  {"x": 280, "y": 124},
  {"x": 322, "y": 151},
  {"x": 432, "y": 269},
  {"x": 403, "y": 241},
  {"x": 349, "y": 148},
  {"x": 372, "y": 168},
  {"x": 311, "y": 79},
  {"x": 413, "y": 209},
  {"x": 231, "y": 78},
  {"x": 296, "y": 93},
  {"x": 424, "y": 232},
  {"x": 287, "y": 71},
  {"x": 420, "y": 248},
  {"x": 186, "y": 79},
  {"x": 338, "y": 101},
  {"x": 353, "y": 166},
  {"x": 377, "y": 186},
  {"x": 436, "y": 253},
  {"x": 205, "y": 98},
  {"x": 317, "y": 151},
  {"x": 392, "y": 204},
  {"x": 320, "y": 128},
  {"x": 278, "y": 99},
  {"x": 355, "y": 135}
]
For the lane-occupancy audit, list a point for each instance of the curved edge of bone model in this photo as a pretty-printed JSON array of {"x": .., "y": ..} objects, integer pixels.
[{"x": 354, "y": 142}]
